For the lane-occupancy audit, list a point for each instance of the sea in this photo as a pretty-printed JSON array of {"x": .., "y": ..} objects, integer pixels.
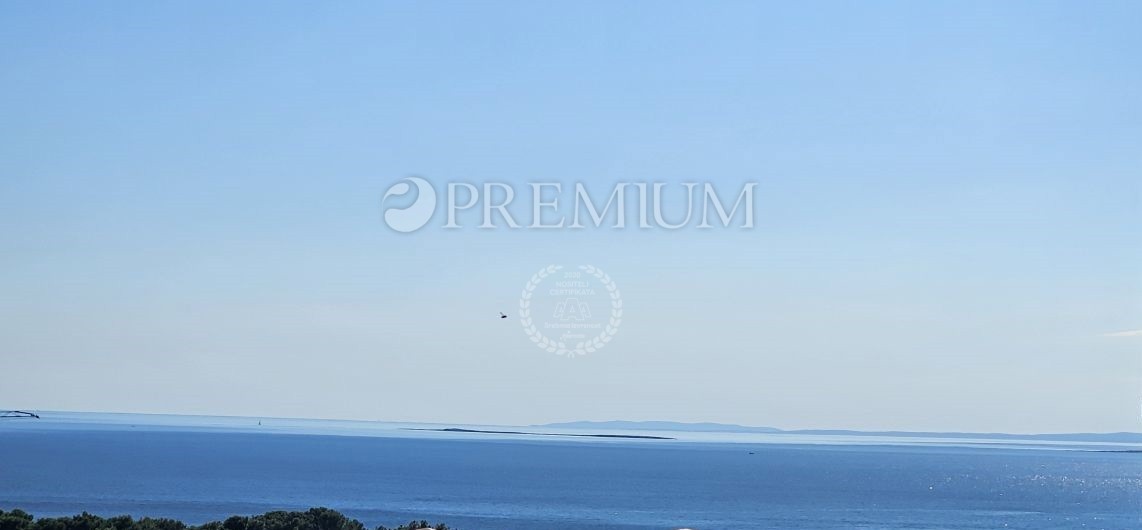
[{"x": 198, "y": 469}]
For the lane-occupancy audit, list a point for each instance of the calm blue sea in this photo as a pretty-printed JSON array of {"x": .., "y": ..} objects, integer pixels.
[{"x": 504, "y": 482}]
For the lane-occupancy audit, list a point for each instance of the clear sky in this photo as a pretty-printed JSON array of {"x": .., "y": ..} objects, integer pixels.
[{"x": 949, "y": 233}]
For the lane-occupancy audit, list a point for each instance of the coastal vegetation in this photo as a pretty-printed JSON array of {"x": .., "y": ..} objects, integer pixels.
[{"x": 312, "y": 519}]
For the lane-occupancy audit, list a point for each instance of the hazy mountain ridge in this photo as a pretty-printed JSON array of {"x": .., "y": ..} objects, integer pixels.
[
  {"x": 1120, "y": 437},
  {"x": 660, "y": 426}
]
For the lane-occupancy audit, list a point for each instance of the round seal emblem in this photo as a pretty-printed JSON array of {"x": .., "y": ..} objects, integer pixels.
[{"x": 570, "y": 312}]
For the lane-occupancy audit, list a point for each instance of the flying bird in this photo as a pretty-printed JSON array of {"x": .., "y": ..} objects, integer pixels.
[{"x": 502, "y": 315}]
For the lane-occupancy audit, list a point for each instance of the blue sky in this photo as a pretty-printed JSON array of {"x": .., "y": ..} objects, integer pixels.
[{"x": 948, "y": 210}]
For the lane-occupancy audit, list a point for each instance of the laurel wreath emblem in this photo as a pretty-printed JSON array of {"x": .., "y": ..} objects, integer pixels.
[{"x": 558, "y": 347}]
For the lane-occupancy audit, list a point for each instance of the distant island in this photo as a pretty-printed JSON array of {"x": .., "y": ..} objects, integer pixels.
[
  {"x": 646, "y": 430},
  {"x": 524, "y": 433},
  {"x": 1111, "y": 437},
  {"x": 312, "y": 519},
  {"x": 659, "y": 426}
]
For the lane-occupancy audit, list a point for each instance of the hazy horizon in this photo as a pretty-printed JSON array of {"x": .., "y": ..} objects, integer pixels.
[{"x": 625, "y": 424}]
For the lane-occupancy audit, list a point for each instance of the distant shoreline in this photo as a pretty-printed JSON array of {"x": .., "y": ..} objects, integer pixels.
[
  {"x": 623, "y": 429},
  {"x": 669, "y": 426},
  {"x": 523, "y": 433}
]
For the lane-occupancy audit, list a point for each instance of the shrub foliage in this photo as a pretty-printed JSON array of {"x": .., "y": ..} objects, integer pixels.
[{"x": 312, "y": 519}]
